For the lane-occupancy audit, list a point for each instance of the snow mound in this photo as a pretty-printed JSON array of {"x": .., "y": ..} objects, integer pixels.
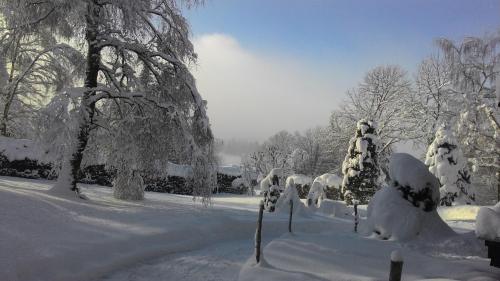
[
  {"x": 20, "y": 149},
  {"x": 488, "y": 223},
  {"x": 290, "y": 193},
  {"x": 414, "y": 180},
  {"x": 392, "y": 217}
]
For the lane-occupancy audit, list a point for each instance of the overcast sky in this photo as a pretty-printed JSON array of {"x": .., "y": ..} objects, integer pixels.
[{"x": 268, "y": 65}]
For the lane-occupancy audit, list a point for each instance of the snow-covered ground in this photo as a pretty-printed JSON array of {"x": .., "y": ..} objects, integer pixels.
[{"x": 171, "y": 237}]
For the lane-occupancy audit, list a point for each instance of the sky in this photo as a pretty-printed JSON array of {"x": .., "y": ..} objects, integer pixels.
[{"x": 271, "y": 65}]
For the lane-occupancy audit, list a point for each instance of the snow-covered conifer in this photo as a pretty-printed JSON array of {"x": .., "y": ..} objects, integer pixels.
[
  {"x": 360, "y": 167},
  {"x": 447, "y": 162}
]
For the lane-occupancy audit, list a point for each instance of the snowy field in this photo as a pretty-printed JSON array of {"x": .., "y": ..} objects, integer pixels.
[{"x": 171, "y": 237}]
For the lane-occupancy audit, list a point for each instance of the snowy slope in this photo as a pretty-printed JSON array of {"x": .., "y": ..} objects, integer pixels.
[
  {"x": 170, "y": 237},
  {"x": 43, "y": 237}
]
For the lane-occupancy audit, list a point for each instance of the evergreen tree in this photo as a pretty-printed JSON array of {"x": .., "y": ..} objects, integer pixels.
[
  {"x": 360, "y": 167},
  {"x": 447, "y": 162}
]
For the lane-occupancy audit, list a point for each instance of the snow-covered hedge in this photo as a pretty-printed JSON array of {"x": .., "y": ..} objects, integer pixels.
[
  {"x": 302, "y": 183},
  {"x": 332, "y": 185}
]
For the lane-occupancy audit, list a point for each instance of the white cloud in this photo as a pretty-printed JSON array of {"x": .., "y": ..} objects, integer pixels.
[{"x": 252, "y": 95}]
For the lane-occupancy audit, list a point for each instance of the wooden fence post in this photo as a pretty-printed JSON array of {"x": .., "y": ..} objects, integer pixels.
[
  {"x": 290, "y": 219},
  {"x": 356, "y": 216},
  {"x": 258, "y": 233},
  {"x": 396, "y": 266}
]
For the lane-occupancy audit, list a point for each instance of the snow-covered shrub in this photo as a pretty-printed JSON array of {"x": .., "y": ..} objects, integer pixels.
[
  {"x": 302, "y": 183},
  {"x": 128, "y": 184},
  {"x": 332, "y": 185},
  {"x": 488, "y": 223},
  {"x": 271, "y": 197},
  {"x": 316, "y": 194},
  {"x": 273, "y": 178},
  {"x": 412, "y": 178},
  {"x": 239, "y": 186},
  {"x": 290, "y": 193},
  {"x": 447, "y": 162},
  {"x": 360, "y": 167},
  {"x": 406, "y": 208}
]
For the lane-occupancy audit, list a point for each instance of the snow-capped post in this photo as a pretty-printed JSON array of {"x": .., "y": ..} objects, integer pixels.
[
  {"x": 258, "y": 233},
  {"x": 356, "y": 216},
  {"x": 290, "y": 219},
  {"x": 396, "y": 266}
]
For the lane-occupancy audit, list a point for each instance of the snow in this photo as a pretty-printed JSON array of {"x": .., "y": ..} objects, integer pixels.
[
  {"x": 172, "y": 237},
  {"x": 290, "y": 193},
  {"x": 396, "y": 256},
  {"x": 392, "y": 217},
  {"x": 407, "y": 171},
  {"x": 316, "y": 194},
  {"x": 329, "y": 180},
  {"x": 267, "y": 182},
  {"x": 488, "y": 223},
  {"x": 19, "y": 149},
  {"x": 299, "y": 179},
  {"x": 447, "y": 162}
]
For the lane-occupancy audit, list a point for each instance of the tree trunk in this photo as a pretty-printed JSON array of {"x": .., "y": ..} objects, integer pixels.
[{"x": 88, "y": 106}]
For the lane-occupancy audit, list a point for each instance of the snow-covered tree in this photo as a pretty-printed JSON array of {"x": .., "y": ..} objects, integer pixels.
[
  {"x": 383, "y": 97},
  {"x": 32, "y": 67},
  {"x": 360, "y": 167},
  {"x": 136, "y": 55},
  {"x": 436, "y": 103},
  {"x": 473, "y": 70},
  {"x": 446, "y": 161}
]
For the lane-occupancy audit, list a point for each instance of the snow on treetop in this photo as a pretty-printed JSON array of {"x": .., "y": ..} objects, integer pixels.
[
  {"x": 364, "y": 125},
  {"x": 299, "y": 179},
  {"x": 409, "y": 171},
  {"x": 20, "y": 149}
]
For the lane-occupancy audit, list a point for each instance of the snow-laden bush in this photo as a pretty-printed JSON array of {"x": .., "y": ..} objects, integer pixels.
[
  {"x": 360, "y": 167},
  {"x": 407, "y": 207},
  {"x": 302, "y": 183},
  {"x": 128, "y": 184},
  {"x": 447, "y": 162},
  {"x": 412, "y": 178},
  {"x": 273, "y": 178},
  {"x": 290, "y": 193},
  {"x": 488, "y": 223},
  {"x": 332, "y": 185},
  {"x": 316, "y": 195},
  {"x": 239, "y": 186}
]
